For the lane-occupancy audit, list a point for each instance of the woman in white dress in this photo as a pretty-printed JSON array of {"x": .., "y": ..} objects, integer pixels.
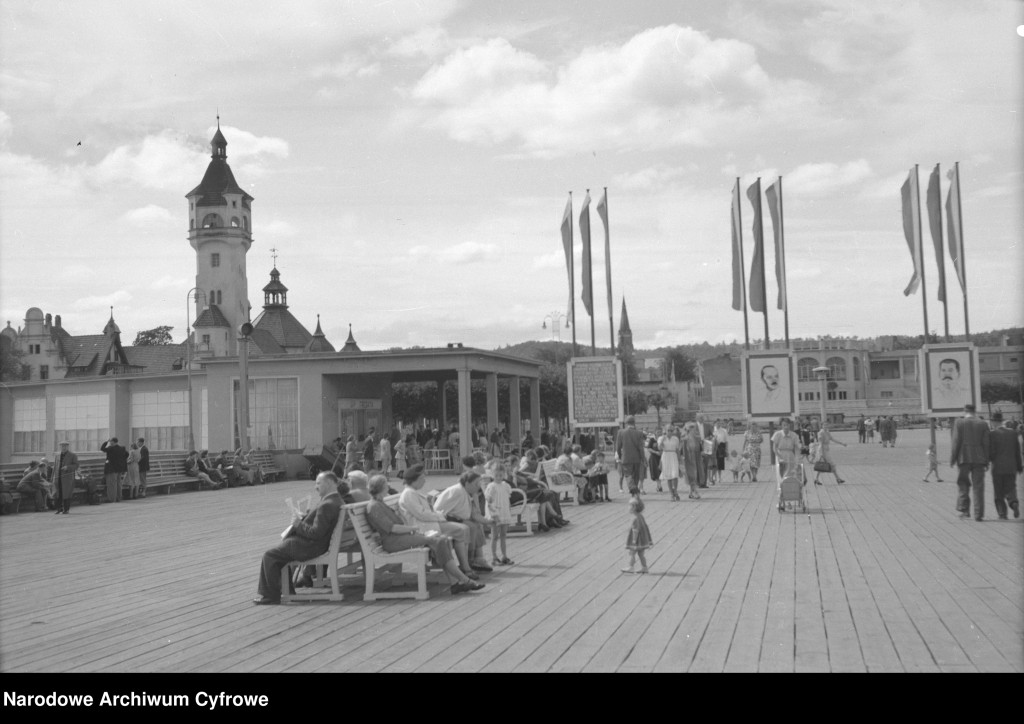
[
  {"x": 132, "y": 479},
  {"x": 669, "y": 446}
]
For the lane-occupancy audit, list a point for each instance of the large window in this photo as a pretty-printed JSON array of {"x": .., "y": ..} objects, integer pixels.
[
  {"x": 856, "y": 369},
  {"x": 30, "y": 425},
  {"x": 273, "y": 413},
  {"x": 82, "y": 420},
  {"x": 161, "y": 418},
  {"x": 805, "y": 368},
  {"x": 836, "y": 368}
]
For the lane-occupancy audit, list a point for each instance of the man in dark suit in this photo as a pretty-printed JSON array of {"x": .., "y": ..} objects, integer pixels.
[
  {"x": 143, "y": 466},
  {"x": 115, "y": 468},
  {"x": 307, "y": 538},
  {"x": 970, "y": 453},
  {"x": 1004, "y": 454},
  {"x": 629, "y": 447}
]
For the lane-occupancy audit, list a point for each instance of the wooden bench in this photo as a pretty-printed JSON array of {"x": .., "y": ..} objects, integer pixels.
[
  {"x": 167, "y": 469},
  {"x": 560, "y": 481},
  {"x": 264, "y": 459},
  {"x": 10, "y": 475}
]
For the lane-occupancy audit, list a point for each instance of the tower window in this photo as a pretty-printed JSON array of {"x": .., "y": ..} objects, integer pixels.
[
  {"x": 215, "y": 259},
  {"x": 234, "y": 204},
  {"x": 206, "y": 340},
  {"x": 212, "y": 221},
  {"x": 245, "y": 223},
  {"x": 234, "y": 222},
  {"x": 191, "y": 224},
  {"x": 44, "y": 372}
]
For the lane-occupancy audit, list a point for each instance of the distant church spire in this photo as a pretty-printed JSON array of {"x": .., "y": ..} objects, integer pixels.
[{"x": 625, "y": 333}]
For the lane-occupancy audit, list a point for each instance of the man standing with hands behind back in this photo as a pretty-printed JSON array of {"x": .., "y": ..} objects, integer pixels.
[
  {"x": 970, "y": 454},
  {"x": 629, "y": 448},
  {"x": 115, "y": 467},
  {"x": 65, "y": 464},
  {"x": 1006, "y": 465}
]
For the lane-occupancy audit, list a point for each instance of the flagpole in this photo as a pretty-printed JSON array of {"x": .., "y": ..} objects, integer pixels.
[
  {"x": 572, "y": 280},
  {"x": 942, "y": 260},
  {"x": 963, "y": 257},
  {"x": 782, "y": 252},
  {"x": 590, "y": 285},
  {"x": 608, "y": 269},
  {"x": 743, "y": 269},
  {"x": 764, "y": 258},
  {"x": 920, "y": 251},
  {"x": 924, "y": 286}
]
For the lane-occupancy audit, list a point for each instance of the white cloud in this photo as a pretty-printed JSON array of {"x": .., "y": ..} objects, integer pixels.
[
  {"x": 666, "y": 86},
  {"x": 820, "y": 179},
  {"x": 150, "y": 215},
  {"x": 113, "y": 299},
  {"x": 427, "y": 42},
  {"x": 652, "y": 177},
  {"x": 349, "y": 66},
  {"x": 465, "y": 253},
  {"x": 274, "y": 228}
]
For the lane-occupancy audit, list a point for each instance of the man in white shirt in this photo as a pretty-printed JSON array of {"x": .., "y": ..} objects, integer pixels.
[{"x": 457, "y": 503}]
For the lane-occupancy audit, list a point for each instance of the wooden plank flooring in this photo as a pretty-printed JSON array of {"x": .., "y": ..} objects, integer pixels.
[{"x": 879, "y": 575}]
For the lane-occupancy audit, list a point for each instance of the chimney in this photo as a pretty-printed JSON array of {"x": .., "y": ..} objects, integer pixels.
[
  {"x": 1006, "y": 340},
  {"x": 49, "y": 321},
  {"x": 56, "y": 321}
]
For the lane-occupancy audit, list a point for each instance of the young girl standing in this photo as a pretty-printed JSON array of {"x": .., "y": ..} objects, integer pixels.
[
  {"x": 639, "y": 538},
  {"x": 933, "y": 464},
  {"x": 497, "y": 497}
]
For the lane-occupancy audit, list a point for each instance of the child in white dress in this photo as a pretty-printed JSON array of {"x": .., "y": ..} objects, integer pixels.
[
  {"x": 745, "y": 469},
  {"x": 734, "y": 465},
  {"x": 497, "y": 497}
]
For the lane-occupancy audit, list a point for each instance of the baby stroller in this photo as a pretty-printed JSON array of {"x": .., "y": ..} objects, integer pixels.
[{"x": 791, "y": 487}]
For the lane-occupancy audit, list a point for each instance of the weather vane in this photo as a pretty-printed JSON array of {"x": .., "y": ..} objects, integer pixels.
[{"x": 273, "y": 252}]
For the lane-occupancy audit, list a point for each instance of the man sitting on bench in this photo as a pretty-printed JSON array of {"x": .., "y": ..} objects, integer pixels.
[
  {"x": 307, "y": 538},
  {"x": 34, "y": 484}
]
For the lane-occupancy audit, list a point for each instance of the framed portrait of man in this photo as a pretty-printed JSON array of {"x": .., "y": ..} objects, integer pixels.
[
  {"x": 950, "y": 378},
  {"x": 769, "y": 384}
]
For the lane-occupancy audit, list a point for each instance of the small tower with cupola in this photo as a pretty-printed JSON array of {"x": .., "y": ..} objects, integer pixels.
[{"x": 220, "y": 230}]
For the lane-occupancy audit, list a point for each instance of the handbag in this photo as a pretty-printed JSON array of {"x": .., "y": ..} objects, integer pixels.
[{"x": 822, "y": 467}]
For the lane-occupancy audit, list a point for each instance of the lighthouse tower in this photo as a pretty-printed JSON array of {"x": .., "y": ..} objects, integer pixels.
[{"x": 220, "y": 230}]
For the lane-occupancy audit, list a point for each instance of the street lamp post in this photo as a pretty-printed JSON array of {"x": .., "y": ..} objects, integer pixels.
[
  {"x": 822, "y": 374},
  {"x": 193, "y": 293},
  {"x": 555, "y": 318}
]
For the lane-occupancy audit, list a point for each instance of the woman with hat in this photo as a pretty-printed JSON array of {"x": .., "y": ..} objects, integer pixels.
[{"x": 418, "y": 512}]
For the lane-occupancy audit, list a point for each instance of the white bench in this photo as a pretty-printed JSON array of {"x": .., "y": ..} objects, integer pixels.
[
  {"x": 342, "y": 541},
  {"x": 560, "y": 481}
]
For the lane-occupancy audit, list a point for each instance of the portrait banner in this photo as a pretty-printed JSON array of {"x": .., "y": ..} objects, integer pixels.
[
  {"x": 769, "y": 384},
  {"x": 595, "y": 391},
  {"x": 950, "y": 378}
]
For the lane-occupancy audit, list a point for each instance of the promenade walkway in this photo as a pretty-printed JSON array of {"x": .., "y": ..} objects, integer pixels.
[{"x": 879, "y": 575}]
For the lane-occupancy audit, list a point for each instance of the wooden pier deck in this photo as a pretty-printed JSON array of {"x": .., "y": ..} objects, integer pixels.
[{"x": 879, "y": 575}]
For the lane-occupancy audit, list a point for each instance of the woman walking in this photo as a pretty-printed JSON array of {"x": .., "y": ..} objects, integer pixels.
[
  {"x": 752, "y": 441},
  {"x": 669, "y": 446},
  {"x": 824, "y": 454},
  {"x": 692, "y": 463}
]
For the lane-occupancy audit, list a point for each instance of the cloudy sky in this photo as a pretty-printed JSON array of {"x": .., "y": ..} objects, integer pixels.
[{"x": 410, "y": 161}]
